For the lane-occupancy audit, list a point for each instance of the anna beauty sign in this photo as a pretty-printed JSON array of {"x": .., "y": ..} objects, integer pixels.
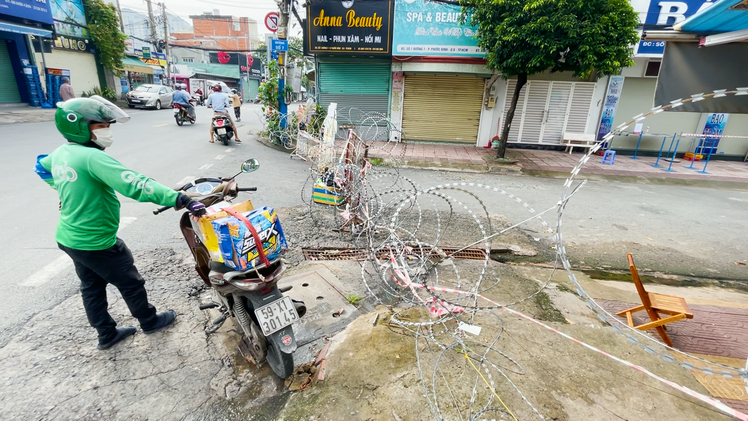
[
  {"x": 349, "y": 26},
  {"x": 427, "y": 28}
]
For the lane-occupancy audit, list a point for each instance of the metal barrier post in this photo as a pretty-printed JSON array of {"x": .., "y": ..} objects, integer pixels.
[
  {"x": 708, "y": 157},
  {"x": 693, "y": 158},
  {"x": 637, "y": 145},
  {"x": 670, "y": 167},
  {"x": 657, "y": 163}
]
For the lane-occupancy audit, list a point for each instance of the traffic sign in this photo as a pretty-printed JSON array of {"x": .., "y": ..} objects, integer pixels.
[
  {"x": 279, "y": 45},
  {"x": 271, "y": 21}
]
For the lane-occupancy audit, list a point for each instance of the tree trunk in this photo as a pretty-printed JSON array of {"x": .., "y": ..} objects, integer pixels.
[{"x": 521, "y": 81}]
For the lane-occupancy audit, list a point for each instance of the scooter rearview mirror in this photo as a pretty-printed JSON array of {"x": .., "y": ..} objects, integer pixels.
[{"x": 250, "y": 165}]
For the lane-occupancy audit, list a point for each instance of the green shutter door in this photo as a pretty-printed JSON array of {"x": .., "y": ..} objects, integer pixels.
[
  {"x": 8, "y": 85},
  {"x": 357, "y": 84}
]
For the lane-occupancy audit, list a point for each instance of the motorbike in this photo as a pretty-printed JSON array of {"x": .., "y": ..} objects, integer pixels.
[
  {"x": 198, "y": 99},
  {"x": 181, "y": 113},
  {"x": 223, "y": 131},
  {"x": 251, "y": 298}
]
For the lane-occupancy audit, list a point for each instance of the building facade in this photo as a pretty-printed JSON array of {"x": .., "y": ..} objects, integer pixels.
[{"x": 20, "y": 20}]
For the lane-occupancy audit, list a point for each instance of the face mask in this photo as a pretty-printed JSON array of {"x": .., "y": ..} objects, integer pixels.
[{"x": 104, "y": 137}]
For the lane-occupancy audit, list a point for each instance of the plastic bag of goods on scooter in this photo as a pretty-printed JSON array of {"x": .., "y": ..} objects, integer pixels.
[
  {"x": 237, "y": 244},
  {"x": 204, "y": 226}
]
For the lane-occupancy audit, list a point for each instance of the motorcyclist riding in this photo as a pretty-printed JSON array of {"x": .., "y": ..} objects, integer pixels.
[
  {"x": 86, "y": 179},
  {"x": 180, "y": 97},
  {"x": 220, "y": 104}
]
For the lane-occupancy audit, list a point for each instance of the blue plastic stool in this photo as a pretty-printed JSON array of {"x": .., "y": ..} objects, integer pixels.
[{"x": 609, "y": 157}]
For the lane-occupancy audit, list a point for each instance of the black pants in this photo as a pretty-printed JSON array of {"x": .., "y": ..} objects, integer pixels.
[
  {"x": 238, "y": 112},
  {"x": 115, "y": 266}
]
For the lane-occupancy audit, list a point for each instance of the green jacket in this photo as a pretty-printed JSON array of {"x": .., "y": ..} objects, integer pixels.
[{"x": 86, "y": 180}]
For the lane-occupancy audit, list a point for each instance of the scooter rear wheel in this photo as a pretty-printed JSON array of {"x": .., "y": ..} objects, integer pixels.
[
  {"x": 280, "y": 362},
  {"x": 179, "y": 121}
]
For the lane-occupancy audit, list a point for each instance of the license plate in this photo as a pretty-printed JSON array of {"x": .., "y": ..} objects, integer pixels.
[
  {"x": 221, "y": 131},
  {"x": 276, "y": 315},
  {"x": 135, "y": 100}
]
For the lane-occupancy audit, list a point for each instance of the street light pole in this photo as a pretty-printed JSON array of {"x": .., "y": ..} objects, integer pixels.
[{"x": 285, "y": 5}]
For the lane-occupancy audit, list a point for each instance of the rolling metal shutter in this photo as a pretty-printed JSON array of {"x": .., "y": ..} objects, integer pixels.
[
  {"x": 8, "y": 85},
  {"x": 83, "y": 73},
  {"x": 545, "y": 110},
  {"x": 439, "y": 107},
  {"x": 358, "y": 84}
]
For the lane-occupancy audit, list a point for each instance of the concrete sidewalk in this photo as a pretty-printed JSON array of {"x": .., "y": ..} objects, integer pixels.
[{"x": 22, "y": 113}]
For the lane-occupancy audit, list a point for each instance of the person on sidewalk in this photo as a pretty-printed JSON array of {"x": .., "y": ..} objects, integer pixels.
[
  {"x": 66, "y": 91},
  {"x": 219, "y": 102},
  {"x": 237, "y": 103},
  {"x": 86, "y": 179}
]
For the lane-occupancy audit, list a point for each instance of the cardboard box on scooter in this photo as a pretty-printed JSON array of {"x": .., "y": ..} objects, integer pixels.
[{"x": 204, "y": 226}]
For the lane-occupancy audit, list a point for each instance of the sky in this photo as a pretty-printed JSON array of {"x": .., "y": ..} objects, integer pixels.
[{"x": 254, "y": 9}]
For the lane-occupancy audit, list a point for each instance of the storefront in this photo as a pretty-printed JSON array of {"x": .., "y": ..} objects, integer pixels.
[
  {"x": 353, "y": 50},
  {"x": 439, "y": 75},
  {"x": 138, "y": 73},
  {"x": 547, "y": 109},
  {"x": 637, "y": 96},
  {"x": 19, "y": 79},
  {"x": 73, "y": 56}
]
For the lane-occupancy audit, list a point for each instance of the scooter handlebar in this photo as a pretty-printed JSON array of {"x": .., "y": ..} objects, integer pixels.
[
  {"x": 162, "y": 209},
  {"x": 247, "y": 189}
]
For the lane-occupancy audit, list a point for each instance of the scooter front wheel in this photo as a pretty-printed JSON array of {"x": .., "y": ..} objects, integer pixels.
[
  {"x": 280, "y": 362},
  {"x": 179, "y": 121}
]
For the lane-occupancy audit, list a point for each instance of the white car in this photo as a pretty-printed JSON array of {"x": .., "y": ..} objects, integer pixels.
[{"x": 150, "y": 96}]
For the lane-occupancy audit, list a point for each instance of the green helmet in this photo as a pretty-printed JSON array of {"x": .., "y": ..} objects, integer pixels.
[{"x": 74, "y": 115}]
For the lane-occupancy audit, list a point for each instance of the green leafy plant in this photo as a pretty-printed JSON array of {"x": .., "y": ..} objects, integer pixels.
[
  {"x": 103, "y": 27},
  {"x": 354, "y": 299},
  {"x": 315, "y": 122},
  {"x": 525, "y": 37},
  {"x": 106, "y": 93}
]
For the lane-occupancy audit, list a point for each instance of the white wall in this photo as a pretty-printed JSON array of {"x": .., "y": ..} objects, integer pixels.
[
  {"x": 396, "y": 106},
  {"x": 491, "y": 117},
  {"x": 598, "y": 99}
]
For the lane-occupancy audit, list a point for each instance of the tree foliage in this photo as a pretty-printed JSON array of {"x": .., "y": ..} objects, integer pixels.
[
  {"x": 526, "y": 37},
  {"x": 103, "y": 27}
]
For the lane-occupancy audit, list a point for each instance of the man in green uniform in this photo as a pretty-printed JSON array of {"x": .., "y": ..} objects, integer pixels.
[{"x": 86, "y": 179}]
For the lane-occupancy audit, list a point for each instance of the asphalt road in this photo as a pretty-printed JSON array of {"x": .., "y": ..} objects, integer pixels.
[{"x": 705, "y": 229}]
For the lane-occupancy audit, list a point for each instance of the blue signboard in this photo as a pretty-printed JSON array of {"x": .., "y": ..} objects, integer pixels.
[
  {"x": 426, "y": 28},
  {"x": 651, "y": 47},
  {"x": 661, "y": 14},
  {"x": 279, "y": 45},
  {"x": 668, "y": 13},
  {"x": 36, "y": 10},
  {"x": 615, "y": 86},
  {"x": 714, "y": 125}
]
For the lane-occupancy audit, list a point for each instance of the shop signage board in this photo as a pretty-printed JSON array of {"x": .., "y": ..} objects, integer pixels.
[
  {"x": 36, "y": 10},
  {"x": 426, "y": 28},
  {"x": 71, "y": 44},
  {"x": 70, "y": 19},
  {"x": 612, "y": 96},
  {"x": 661, "y": 14},
  {"x": 349, "y": 27},
  {"x": 713, "y": 125},
  {"x": 153, "y": 59}
]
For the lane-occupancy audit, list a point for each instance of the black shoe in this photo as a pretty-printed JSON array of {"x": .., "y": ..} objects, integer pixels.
[
  {"x": 122, "y": 333},
  {"x": 163, "y": 320}
]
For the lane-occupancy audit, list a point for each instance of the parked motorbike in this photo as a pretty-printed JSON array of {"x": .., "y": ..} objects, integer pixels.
[
  {"x": 181, "y": 113},
  {"x": 223, "y": 131},
  {"x": 252, "y": 297}
]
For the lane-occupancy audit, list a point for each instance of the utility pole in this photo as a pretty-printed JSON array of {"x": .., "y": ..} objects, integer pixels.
[
  {"x": 166, "y": 42},
  {"x": 152, "y": 23},
  {"x": 121, "y": 22},
  {"x": 285, "y": 6}
]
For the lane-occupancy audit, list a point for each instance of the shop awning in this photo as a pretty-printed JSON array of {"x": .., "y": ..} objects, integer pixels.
[
  {"x": 215, "y": 70},
  {"x": 722, "y": 16},
  {"x": 134, "y": 65},
  {"x": 23, "y": 29}
]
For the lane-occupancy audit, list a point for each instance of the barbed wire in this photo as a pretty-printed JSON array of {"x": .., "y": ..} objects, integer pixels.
[{"x": 403, "y": 226}]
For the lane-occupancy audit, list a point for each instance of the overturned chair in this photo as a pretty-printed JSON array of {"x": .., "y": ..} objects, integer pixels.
[{"x": 675, "y": 307}]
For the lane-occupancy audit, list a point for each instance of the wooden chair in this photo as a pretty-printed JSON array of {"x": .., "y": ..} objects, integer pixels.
[{"x": 675, "y": 307}]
